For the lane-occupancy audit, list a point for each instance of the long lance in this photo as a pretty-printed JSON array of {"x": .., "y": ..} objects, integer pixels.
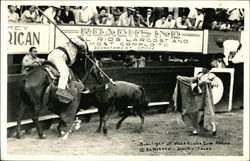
[{"x": 74, "y": 43}]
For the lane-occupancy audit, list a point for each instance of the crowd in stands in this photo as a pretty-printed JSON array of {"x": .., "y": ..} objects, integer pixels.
[{"x": 158, "y": 17}]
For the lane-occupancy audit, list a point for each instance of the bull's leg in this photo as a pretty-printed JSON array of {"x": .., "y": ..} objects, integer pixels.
[
  {"x": 21, "y": 110},
  {"x": 126, "y": 113},
  {"x": 35, "y": 119},
  {"x": 141, "y": 113}
]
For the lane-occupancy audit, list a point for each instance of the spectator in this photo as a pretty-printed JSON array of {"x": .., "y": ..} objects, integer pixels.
[
  {"x": 160, "y": 58},
  {"x": 192, "y": 15},
  {"x": 173, "y": 11},
  {"x": 235, "y": 15},
  {"x": 160, "y": 23},
  {"x": 199, "y": 19},
  {"x": 183, "y": 23},
  {"x": 221, "y": 15},
  {"x": 150, "y": 18},
  {"x": 209, "y": 17},
  {"x": 139, "y": 21},
  {"x": 231, "y": 49},
  {"x": 240, "y": 26},
  {"x": 57, "y": 17},
  {"x": 126, "y": 18},
  {"x": 174, "y": 59},
  {"x": 116, "y": 11},
  {"x": 158, "y": 13},
  {"x": 216, "y": 25},
  {"x": 170, "y": 22},
  {"x": 67, "y": 16},
  {"x": 141, "y": 62},
  {"x": 225, "y": 26},
  {"x": 31, "y": 60},
  {"x": 105, "y": 18},
  {"x": 218, "y": 62},
  {"x": 30, "y": 15},
  {"x": 87, "y": 15},
  {"x": 12, "y": 15},
  {"x": 131, "y": 61},
  {"x": 76, "y": 11},
  {"x": 50, "y": 13}
]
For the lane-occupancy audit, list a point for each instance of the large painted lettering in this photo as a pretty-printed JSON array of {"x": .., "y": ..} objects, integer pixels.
[
  {"x": 23, "y": 36},
  {"x": 143, "y": 39}
]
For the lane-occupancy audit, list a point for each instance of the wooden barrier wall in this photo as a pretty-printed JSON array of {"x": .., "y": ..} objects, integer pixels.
[{"x": 159, "y": 83}]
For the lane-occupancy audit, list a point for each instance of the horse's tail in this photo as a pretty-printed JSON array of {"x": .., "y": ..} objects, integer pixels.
[
  {"x": 144, "y": 99},
  {"x": 23, "y": 94}
]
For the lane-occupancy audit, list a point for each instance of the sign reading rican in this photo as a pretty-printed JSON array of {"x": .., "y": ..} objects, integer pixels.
[
  {"x": 23, "y": 36},
  {"x": 125, "y": 38}
]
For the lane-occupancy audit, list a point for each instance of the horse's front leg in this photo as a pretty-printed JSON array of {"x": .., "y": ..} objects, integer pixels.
[
  {"x": 99, "y": 129},
  {"x": 35, "y": 119},
  {"x": 106, "y": 117},
  {"x": 60, "y": 127}
]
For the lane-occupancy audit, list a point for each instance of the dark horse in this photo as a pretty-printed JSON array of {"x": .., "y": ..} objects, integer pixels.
[{"x": 37, "y": 91}]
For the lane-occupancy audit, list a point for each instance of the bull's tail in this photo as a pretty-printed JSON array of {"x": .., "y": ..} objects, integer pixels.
[{"x": 144, "y": 100}]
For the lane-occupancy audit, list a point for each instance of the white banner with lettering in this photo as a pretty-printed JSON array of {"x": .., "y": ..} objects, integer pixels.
[
  {"x": 138, "y": 39},
  {"x": 23, "y": 36}
]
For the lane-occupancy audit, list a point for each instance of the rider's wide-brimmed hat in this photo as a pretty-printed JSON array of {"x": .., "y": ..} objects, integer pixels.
[{"x": 79, "y": 40}]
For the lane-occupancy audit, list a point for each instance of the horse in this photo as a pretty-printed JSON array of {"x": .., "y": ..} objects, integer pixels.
[{"x": 37, "y": 90}]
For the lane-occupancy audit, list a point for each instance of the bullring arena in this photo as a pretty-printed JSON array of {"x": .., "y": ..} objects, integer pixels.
[{"x": 149, "y": 56}]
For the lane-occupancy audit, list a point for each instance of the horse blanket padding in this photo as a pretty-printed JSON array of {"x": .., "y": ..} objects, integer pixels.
[{"x": 191, "y": 102}]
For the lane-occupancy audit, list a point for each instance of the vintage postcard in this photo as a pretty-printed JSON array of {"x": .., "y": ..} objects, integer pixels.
[{"x": 125, "y": 80}]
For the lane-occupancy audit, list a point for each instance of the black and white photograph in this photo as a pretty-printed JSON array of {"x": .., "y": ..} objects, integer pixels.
[{"x": 125, "y": 80}]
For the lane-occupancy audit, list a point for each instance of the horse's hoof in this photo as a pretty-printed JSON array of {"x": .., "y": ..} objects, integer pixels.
[
  {"x": 214, "y": 133},
  {"x": 61, "y": 133},
  {"x": 19, "y": 136},
  {"x": 43, "y": 136}
]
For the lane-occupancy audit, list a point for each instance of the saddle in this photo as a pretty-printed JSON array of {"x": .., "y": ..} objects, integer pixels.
[
  {"x": 74, "y": 85},
  {"x": 51, "y": 70}
]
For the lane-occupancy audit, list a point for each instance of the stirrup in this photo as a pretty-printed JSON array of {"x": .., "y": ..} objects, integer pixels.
[{"x": 64, "y": 96}]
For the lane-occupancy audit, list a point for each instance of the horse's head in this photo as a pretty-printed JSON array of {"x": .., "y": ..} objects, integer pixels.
[{"x": 86, "y": 63}]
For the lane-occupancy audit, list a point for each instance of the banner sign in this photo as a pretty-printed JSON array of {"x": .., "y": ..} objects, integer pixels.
[
  {"x": 23, "y": 36},
  {"x": 103, "y": 38}
]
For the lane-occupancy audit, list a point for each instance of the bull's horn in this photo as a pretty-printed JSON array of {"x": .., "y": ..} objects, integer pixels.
[{"x": 86, "y": 92}]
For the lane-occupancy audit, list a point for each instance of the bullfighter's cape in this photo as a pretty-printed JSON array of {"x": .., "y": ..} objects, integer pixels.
[{"x": 189, "y": 100}]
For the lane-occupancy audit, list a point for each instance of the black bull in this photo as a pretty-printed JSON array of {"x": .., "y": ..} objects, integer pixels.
[{"x": 120, "y": 96}]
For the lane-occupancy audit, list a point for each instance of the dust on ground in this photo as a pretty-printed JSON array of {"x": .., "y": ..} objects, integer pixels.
[{"x": 164, "y": 134}]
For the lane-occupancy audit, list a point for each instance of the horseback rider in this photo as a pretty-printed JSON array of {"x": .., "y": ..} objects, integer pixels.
[{"x": 63, "y": 57}]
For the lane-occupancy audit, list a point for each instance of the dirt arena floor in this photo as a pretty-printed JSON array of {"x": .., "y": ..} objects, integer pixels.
[{"x": 164, "y": 134}]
